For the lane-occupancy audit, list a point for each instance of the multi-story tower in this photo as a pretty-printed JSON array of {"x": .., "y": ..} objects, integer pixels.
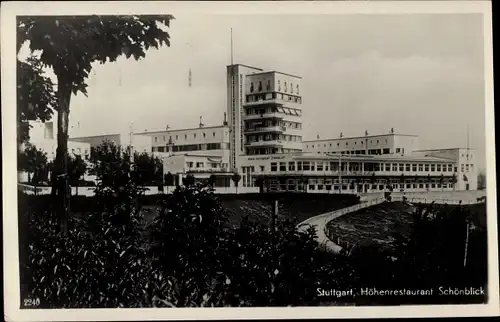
[
  {"x": 272, "y": 121},
  {"x": 236, "y": 82}
]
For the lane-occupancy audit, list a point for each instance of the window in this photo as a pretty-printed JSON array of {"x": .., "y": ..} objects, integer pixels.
[
  {"x": 386, "y": 151},
  {"x": 268, "y": 86},
  {"x": 194, "y": 135},
  {"x": 313, "y": 164},
  {"x": 462, "y": 168},
  {"x": 297, "y": 89},
  {"x": 306, "y": 166},
  {"x": 414, "y": 167},
  {"x": 274, "y": 166},
  {"x": 438, "y": 167},
  {"x": 433, "y": 167},
  {"x": 420, "y": 167},
  {"x": 176, "y": 137},
  {"x": 319, "y": 166},
  {"x": 156, "y": 139},
  {"x": 466, "y": 168},
  {"x": 401, "y": 167},
  {"x": 260, "y": 86},
  {"x": 285, "y": 88},
  {"x": 279, "y": 86},
  {"x": 291, "y": 88},
  {"x": 398, "y": 150},
  {"x": 204, "y": 135},
  {"x": 164, "y": 138},
  {"x": 291, "y": 166},
  {"x": 407, "y": 167},
  {"x": 251, "y": 87},
  {"x": 185, "y": 136},
  {"x": 262, "y": 168},
  {"x": 387, "y": 167},
  {"x": 394, "y": 167},
  {"x": 282, "y": 166},
  {"x": 450, "y": 167},
  {"x": 426, "y": 167},
  {"x": 299, "y": 165}
]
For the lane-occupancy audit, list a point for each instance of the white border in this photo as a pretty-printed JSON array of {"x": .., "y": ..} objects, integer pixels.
[{"x": 10, "y": 233}]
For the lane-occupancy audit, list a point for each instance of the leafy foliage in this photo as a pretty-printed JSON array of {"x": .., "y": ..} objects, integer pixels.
[
  {"x": 33, "y": 161},
  {"x": 189, "y": 180},
  {"x": 481, "y": 181},
  {"x": 69, "y": 45},
  {"x": 35, "y": 96},
  {"x": 169, "y": 179},
  {"x": 76, "y": 168},
  {"x": 149, "y": 169}
]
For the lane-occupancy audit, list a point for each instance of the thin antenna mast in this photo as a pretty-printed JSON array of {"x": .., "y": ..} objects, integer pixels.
[{"x": 231, "y": 46}]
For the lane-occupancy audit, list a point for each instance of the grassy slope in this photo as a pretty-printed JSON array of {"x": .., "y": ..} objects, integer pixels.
[{"x": 376, "y": 224}]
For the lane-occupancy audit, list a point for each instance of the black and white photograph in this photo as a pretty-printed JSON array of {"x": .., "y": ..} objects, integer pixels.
[{"x": 295, "y": 159}]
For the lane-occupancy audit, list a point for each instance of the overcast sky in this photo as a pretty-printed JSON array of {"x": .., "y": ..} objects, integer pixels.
[{"x": 420, "y": 74}]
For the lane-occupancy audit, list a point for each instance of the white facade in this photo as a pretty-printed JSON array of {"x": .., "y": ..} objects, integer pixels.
[
  {"x": 396, "y": 144},
  {"x": 43, "y": 135},
  {"x": 139, "y": 142},
  {"x": 209, "y": 141}
]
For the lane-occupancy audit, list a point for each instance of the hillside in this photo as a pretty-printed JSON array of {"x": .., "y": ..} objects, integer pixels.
[{"x": 377, "y": 224}]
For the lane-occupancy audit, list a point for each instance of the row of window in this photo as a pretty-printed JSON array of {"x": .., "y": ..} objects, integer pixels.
[
  {"x": 268, "y": 87},
  {"x": 267, "y": 151},
  {"x": 170, "y": 138},
  {"x": 368, "y": 167},
  {"x": 191, "y": 147},
  {"x": 271, "y": 96},
  {"x": 382, "y": 187},
  {"x": 273, "y": 109},
  {"x": 201, "y": 165},
  {"x": 274, "y": 137},
  {"x": 255, "y": 125},
  {"x": 362, "y": 142}
]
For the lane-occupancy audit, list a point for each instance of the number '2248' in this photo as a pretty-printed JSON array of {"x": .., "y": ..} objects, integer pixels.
[{"x": 32, "y": 302}]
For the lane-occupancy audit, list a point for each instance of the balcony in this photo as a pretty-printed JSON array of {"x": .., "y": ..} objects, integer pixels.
[
  {"x": 272, "y": 115},
  {"x": 279, "y": 129},
  {"x": 264, "y": 143},
  {"x": 270, "y": 101}
]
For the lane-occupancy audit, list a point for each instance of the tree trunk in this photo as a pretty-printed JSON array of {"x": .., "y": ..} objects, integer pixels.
[{"x": 62, "y": 196}]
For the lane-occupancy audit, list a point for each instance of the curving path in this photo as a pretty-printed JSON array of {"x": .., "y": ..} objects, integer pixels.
[{"x": 319, "y": 222}]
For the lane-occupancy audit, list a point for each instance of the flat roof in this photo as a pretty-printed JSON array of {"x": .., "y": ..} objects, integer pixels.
[
  {"x": 92, "y": 136},
  {"x": 178, "y": 130},
  {"x": 360, "y": 137},
  {"x": 274, "y": 71},
  {"x": 245, "y": 66}
]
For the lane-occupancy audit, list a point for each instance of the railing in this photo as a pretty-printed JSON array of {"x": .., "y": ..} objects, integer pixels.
[{"x": 321, "y": 222}]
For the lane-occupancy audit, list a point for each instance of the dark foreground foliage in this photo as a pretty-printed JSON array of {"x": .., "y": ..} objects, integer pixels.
[{"x": 188, "y": 256}]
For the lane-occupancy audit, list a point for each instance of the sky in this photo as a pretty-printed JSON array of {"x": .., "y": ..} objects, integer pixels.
[{"x": 420, "y": 74}]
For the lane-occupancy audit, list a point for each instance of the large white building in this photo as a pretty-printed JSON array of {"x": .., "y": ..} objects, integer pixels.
[
  {"x": 265, "y": 141},
  {"x": 260, "y": 136}
]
